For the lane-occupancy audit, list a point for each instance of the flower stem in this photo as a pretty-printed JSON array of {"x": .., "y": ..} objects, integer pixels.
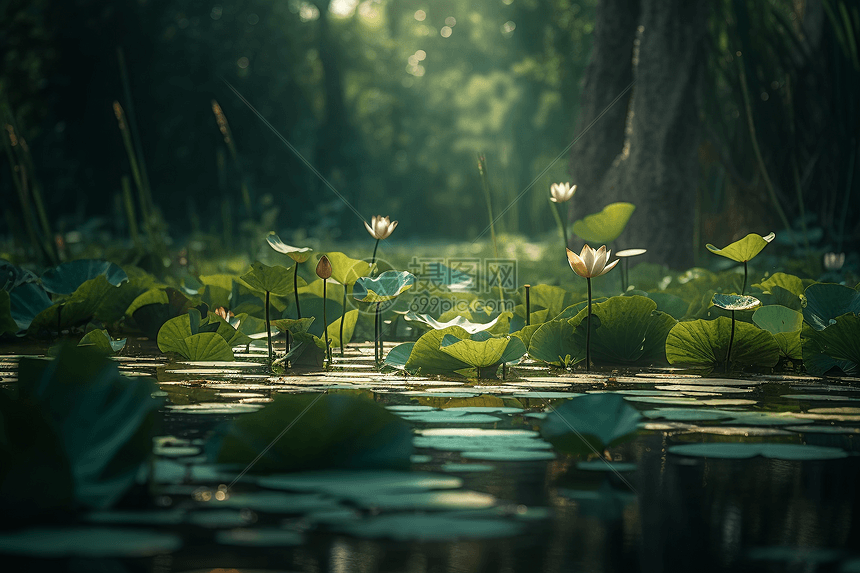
[
  {"x": 588, "y": 330},
  {"x": 559, "y": 221},
  {"x": 342, "y": 315},
  {"x": 376, "y": 351},
  {"x": 268, "y": 329},
  {"x": 296, "y": 289},
  {"x": 528, "y": 306},
  {"x": 373, "y": 258},
  {"x": 325, "y": 325},
  {"x": 743, "y": 288},
  {"x": 731, "y": 341}
]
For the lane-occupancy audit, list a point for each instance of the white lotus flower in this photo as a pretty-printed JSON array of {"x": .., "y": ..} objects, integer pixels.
[
  {"x": 561, "y": 192},
  {"x": 380, "y": 227},
  {"x": 834, "y": 261},
  {"x": 590, "y": 263}
]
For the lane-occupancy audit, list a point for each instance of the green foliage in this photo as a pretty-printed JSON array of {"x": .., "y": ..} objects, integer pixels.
[
  {"x": 427, "y": 357},
  {"x": 606, "y": 226},
  {"x": 825, "y": 302},
  {"x": 785, "y": 325},
  {"x": 733, "y": 302},
  {"x": 189, "y": 336},
  {"x": 333, "y": 431},
  {"x": 498, "y": 325},
  {"x": 276, "y": 280},
  {"x": 706, "y": 343},
  {"x": 75, "y": 310},
  {"x": 101, "y": 341},
  {"x": 483, "y": 351},
  {"x": 836, "y": 346},
  {"x": 386, "y": 286},
  {"x": 298, "y": 254},
  {"x": 346, "y": 270},
  {"x": 7, "y": 323},
  {"x": 96, "y": 425},
  {"x": 625, "y": 330},
  {"x": 67, "y": 277},
  {"x": 156, "y": 306},
  {"x": 589, "y": 424},
  {"x": 743, "y": 250},
  {"x": 553, "y": 343}
]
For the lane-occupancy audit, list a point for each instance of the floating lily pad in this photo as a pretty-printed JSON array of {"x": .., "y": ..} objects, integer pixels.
[
  {"x": 605, "y": 226},
  {"x": 592, "y": 422},
  {"x": 706, "y": 343},
  {"x": 89, "y": 542},
  {"x": 744, "y": 249},
  {"x": 325, "y": 431},
  {"x": 735, "y": 451},
  {"x": 386, "y": 286}
]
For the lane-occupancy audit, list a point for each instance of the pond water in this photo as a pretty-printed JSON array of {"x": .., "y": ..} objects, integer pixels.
[{"x": 748, "y": 474}]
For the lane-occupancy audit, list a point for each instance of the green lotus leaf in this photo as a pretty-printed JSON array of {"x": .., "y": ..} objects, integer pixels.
[
  {"x": 706, "y": 343},
  {"x": 249, "y": 325},
  {"x": 101, "y": 341},
  {"x": 386, "y": 286},
  {"x": 794, "y": 452},
  {"x": 743, "y": 250},
  {"x": 156, "y": 295},
  {"x": 785, "y": 325},
  {"x": 518, "y": 320},
  {"x": 334, "y": 431},
  {"x": 307, "y": 350},
  {"x": 117, "y": 301},
  {"x": 207, "y": 346},
  {"x": 314, "y": 289},
  {"x": 525, "y": 333},
  {"x": 826, "y": 301},
  {"x": 483, "y": 353},
  {"x": 333, "y": 329},
  {"x": 26, "y": 302},
  {"x": 346, "y": 270},
  {"x": 103, "y": 426},
  {"x": 553, "y": 342},
  {"x": 674, "y": 306},
  {"x": 837, "y": 346},
  {"x": 575, "y": 309},
  {"x": 172, "y": 334},
  {"x": 77, "y": 309},
  {"x": 155, "y": 307},
  {"x": 785, "y": 281},
  {"x": 293, "y": 325},
  {"x": 231, "y": 335},
  {"x": 734, "y": 302},
  {"x": 461, "y": 321},
  {"x": 12, "y": 276},
  {"x": 276, "y": 280},
  {"x": 298, "y": 254},
  {"x": 429, "y": 359},
  {"x": 7, "y": 323},
  {"x": 782, "y": 297},
  {"x": 399, "y": 355},
  {"x": 602, "y": 420},
  {"x": 67, "y": 277},
  {"x": 606, "y": 226},
  {"x": 553, "y": 298},
  {"x": 625, "y": 330},
  {"x": 776, "y": 319}
]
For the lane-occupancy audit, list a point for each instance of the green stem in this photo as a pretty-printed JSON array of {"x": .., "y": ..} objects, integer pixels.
[
  {"x": 482, "y": 168},
  {"x": 376, "y": 351},
  {"x": 743, "y": 288},
  {"x": 342, "y": 315},
  {"x": 731, "y": 341},
  {"x": 588, "y": 331},
  {"x": 373, "y": 258},
  {"x": 268, "y": 329},
  {"x": 528, "y": 306},
  {"x": 296, "y": 289},
  {"x": 325, "y": 325},
  {"x": 562, "y": 227}
]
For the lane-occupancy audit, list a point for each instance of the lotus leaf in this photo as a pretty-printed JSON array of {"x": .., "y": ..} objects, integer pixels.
[
  {"x": 77, "y": 309},
  {"x": 837, "y": 346},
  {"x": 26, "y": 302},
  {"x": 101, "y": 341},
  {"x": 494, "y": 326},
  {"x": 483, "y": 353},
  {"x": 826, "y": 301},
  {"x": 346, "y": 270},
  {"x": 67, "y": 277},
  {"x": 427, "y": 357},
  {"x": 399, "y": 355},
  {"x": 706, "y": 343},
  {"x": 298, "y": 254},
  {"x": 7, "y": 323},
  {"x": 276, "y": 280},
  {"x": 734, "y": 302},
  {"x": 553, "y": 342},
  {"x": 590, "y": 423},
  {"x": 605, "y": 226},
  {"x": 326, "y": 431},
  {"x": 743, "y": 250},
  {"x": 385, "y": 287},
  {"x": 784, "y": 281}
]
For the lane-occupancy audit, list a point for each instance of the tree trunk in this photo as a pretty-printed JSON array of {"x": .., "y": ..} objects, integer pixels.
[{"x": 656, "y": 166}]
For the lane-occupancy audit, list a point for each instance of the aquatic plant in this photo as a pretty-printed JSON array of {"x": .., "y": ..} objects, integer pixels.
[
  {"x": 387, "y": 286},
  {"x": 605, "y": 226},
  {"x": 298, "y": 254},
  {"x": 734, "y": 303},
  {"x": 561, "y": 193},
  {"x": 588, "y": 264},
  {"x": 323, "y": 271},
  {"x": 270, "y": 280},
  {"x": 590, "y": 424},
  {"x": 743, "y": 251},
  {"x": 625, "y": 267},
  {"x": 379, "y": 228}
]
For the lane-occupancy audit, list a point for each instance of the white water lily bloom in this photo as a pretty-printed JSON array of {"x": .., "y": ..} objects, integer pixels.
[
  {"x": 834, "y": 261},
  {"x": 561, "y": 192},
  {"x": 380, "y": 227},
  {"x": 590, "y": 263}
]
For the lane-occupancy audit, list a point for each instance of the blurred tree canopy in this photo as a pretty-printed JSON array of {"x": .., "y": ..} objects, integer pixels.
[{"x": 390, "y": 101}]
